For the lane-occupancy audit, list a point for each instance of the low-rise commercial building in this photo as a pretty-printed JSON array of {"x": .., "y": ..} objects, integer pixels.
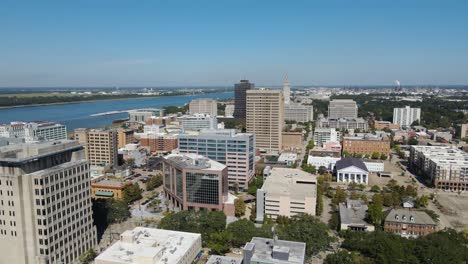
[
  {"x": 193, "y": 182},
  {"x": 366, "y": 144},
  {"x": 273, "y": 251},
  {"x": 351, "y": 170},
  {"x": 144, "y": 245},
  {"x": 235, "y": 150},
  {"x": 286, "y": 192},
  {"x": 353, "y": 215},
  {"x": 409, "y": 223},
  {"x": 326, "y": 161},
  {"x": 107, "y": 189},
  {"x": 381, "y": 125}
]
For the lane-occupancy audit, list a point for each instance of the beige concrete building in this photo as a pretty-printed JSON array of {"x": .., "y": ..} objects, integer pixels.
[
  {"x": 265, "y": 118},
  {"x": 45, "y": 203},
  {"x": 101, "y": 145},
  {"x": 124, "y": 137},
  {"x": 286, "y": 192},
  {"x": 381, "y": 125},
  {"x": 152, "y": 246},
  {"x": 342, "y": 108},
  {"x": 292, "y": 141},
  {"x": 204, "y": 106},
  {"x": 463, "y": 131}
]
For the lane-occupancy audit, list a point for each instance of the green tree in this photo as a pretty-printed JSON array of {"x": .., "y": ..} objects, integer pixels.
[
  {"x": 154, "y": 182},
  {"x": 309, "y": 168},
  {"x": 219, "y": 242},
  {"x": 383, "y": 156},
  {"x": 413, "y": 141},
  {"x": 131, "y": 193},
  {"x": 375, "y": 210},
  {"x": 88, "y": 256},
  {"x": 322, "y": 170},
  {"x": 375, "y": 189},
  {"x": 242, "y": 232},
  {"x": 422, "y": 201},
  {"x": 340, "y": 196},
  {"x": 253, "y": 213},
  {"x": 117, "y": 211},
  {"x": 239, "y": 206},
  {"x": 130, "y": 162},
  {"x": 308, "y": 229},
  {"x": 376, "y": 155}
]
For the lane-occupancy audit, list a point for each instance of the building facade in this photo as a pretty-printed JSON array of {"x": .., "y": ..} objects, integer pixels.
[
  {"x": 236, "y": 151},
  {"x": 107, "y": 189},
  {"x": 351, "y": 170},
  {"x": 205, "y": 106},
  {"x": 409, "y": 223},
  {"x": 101, "y": 145},
  {"x": 324, "y": 135},
  {"x": 406, "y": 116},
  {"x": 366, "y": 144},
  {"x": 46, "y": 200},
  {"x": 124, "y": 137},
  {"x": 298, "y": 113},
  {"x": 342, "y": 108},
  {"x": 144, "y": 245},
  {"x": 240, "y": 98},
  {"x": 265, "y": 118},
  {"x": 342, "y": 123},
  {"x": 34, "y": 131},
  {"x": 141, "y": 115},
  {"x": 381, "y": 125},
  {"x": 286, "y": 192},
  {"x": 445, "y": 166},
  {"x": 159, "y": 142},
  {"x": 229, "y": 110},
  {"x": 197, "y": 122},
  {"x": 193, "y": 182}
]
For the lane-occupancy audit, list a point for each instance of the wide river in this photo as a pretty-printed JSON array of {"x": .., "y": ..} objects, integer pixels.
[{"x": 76, "y": 115}]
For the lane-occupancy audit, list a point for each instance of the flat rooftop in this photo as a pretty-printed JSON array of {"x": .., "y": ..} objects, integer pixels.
[
  {"x": 195, "y": 161},
  {"x": 295, "y": 183},
  {"x": 110, "y": 183},
  {"x": 264, "y": 247},
  {"x": 215, "y": 259},
  {"x": 23, "y": 152},
  {"x": 150, "y": 245}
]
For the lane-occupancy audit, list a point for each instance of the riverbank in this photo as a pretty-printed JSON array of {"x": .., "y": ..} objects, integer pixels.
[{"x": 98, "y": 100}]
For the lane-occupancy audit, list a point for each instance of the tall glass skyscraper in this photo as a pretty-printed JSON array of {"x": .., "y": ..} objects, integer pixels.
[{"x": 240, "y": 97}]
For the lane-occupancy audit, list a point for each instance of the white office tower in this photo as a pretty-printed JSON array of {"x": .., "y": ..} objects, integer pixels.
[
  {"x": 342, "y": 108},
  {"x": 45, "y": 203},
  {"x": 286, "y": 90},
  {"x": 406, "y": 116}
]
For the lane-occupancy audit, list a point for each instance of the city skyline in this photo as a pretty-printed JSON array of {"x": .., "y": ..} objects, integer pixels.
[{"x": 216, "y": 44}]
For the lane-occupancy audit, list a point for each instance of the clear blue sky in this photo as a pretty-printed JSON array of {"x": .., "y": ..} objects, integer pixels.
[{"x": 217, "y": 42}]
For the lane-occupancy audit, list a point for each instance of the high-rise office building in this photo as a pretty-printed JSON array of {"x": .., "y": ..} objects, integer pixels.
[
  {"x": 46, "y": 203},
  {"x": 240, "y": 97},
  {"x": 342, "y": 108},
  {"x": 406, "y": 116},
  {"x": 101, "y": 145},
  {"x": 286, "y": 90},
  {"x": 265, "y": 118},
  {"x": 124, "y": 137},
  {"x": 205, "y": 106},
  {"x": 237, "y": 151}
]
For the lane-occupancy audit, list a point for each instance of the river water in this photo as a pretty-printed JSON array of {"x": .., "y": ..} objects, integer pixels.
[{"x": 76, "y": 115}]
